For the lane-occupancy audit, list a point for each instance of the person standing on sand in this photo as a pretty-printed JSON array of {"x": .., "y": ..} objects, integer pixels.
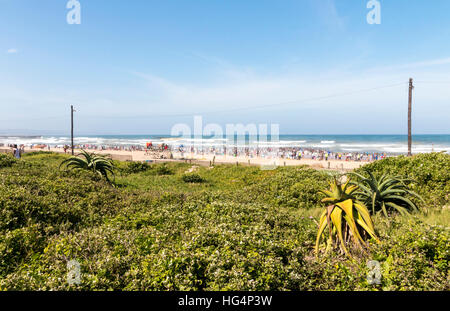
[{"x": 16, "y": 152}]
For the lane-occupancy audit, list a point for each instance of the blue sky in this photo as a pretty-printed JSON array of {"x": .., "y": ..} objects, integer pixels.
[{"x": 140, "y": 66}]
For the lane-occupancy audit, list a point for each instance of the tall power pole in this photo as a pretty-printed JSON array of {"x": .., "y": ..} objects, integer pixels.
[
  {"x": 411, "y": 87},
  {"x": 71, "y": 125}
]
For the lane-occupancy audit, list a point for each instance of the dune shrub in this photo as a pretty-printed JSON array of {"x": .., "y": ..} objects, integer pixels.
[
  {"x": 430, "y": 174},
  {"x": 136, "y": 167},
  {"x": 6, "y": 160},
  {"x": 163, "y": 170},
  {"x": 242, "y": 230},
  {"x": 192, "y": 178}
]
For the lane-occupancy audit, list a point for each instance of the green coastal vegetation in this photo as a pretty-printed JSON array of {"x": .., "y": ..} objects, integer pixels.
[{"x": 139, "y": 226}]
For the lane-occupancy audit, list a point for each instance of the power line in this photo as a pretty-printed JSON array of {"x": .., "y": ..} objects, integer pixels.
[
  {"x": 236, "y": 109},
  {"x": 434, "y": 82},
  {"x": 268, "y": 105},
  {"x": 314, "y": 98}
]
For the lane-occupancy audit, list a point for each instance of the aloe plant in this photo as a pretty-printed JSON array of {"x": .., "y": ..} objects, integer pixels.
[
  {"x": 347, "y": 219},
  {"x": 385, "y": 194},
  {"x": 92, "y": 162}
]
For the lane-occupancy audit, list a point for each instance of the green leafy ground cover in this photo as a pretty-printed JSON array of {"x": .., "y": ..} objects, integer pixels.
[{"x": 235, "y": 228}]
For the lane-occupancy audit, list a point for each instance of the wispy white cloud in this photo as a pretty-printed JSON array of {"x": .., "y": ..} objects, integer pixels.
[
  {"x": 300, "y": 90},
  {"x": 306, "y": 99},
  {"x": 225, "y": 68},
  {"x": 426, "y": 64},
  {"x": 12, "y": 51},
  {"x": 255, "y": 92}
]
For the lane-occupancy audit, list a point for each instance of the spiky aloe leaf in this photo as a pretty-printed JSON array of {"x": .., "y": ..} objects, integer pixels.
[
  {"x": 377, "y": 192},
  {"x": 92, "y": 162}
]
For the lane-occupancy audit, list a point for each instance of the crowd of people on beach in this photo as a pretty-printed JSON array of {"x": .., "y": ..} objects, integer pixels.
[
  {"x": 293, "y": 153},
  {"x": 159, "y": 147}
]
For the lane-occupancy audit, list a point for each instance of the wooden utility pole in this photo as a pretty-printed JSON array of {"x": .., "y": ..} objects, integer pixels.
[
  {"x": 411, "y": 87},
  {"x": 71, "y": 126}
]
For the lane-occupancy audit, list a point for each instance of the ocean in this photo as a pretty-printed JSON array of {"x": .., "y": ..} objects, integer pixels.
[{"x": 391, "y": 144}]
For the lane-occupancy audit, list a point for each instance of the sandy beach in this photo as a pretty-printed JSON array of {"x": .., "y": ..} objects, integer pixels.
[{"x": 207, "y": 159}]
